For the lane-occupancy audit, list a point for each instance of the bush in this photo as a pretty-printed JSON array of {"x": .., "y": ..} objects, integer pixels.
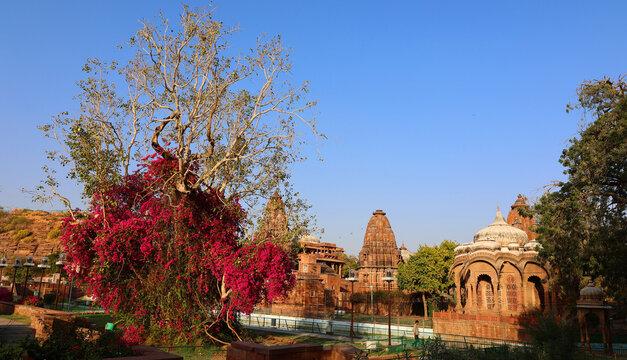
[
  {"x": 69, "y": 342},
  {"x": 5, "y": 295},
  {"x": 555, "y": 338},
  {"x": 34, "y": 301},
  {"x": 54, "y": 233},
  {"x": 20, "y": 234},
  {"x": 436, "y": 349},
  {"x": 19, "y": 221},
  {"x": 49, "y": 299}
]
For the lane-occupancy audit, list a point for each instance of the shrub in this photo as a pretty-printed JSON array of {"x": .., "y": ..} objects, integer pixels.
[
  {"x": 20, "y": 234},
  {"x": 28, "y": 240},
  {"x": 68, "y": 342},
  {"x": 555, "y": 338},
  {"x": 18, "y": 221},
  {"x": 5, "y": 295},
  {"x": 49, "y": 299},
  {"x": 34, "y": 301},
  {"x": 54, "y": 233}
]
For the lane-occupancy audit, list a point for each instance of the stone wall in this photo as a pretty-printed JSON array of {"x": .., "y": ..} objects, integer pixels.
[
  {"x": 483, "y": 326},
  {"x": 42, "y": 320}
]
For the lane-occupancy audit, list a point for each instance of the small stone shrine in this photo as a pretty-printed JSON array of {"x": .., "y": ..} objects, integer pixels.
[{"x": 591, "y": 301}]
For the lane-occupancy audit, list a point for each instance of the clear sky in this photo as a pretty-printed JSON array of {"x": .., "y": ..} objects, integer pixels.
[{"x": 438, "y": 111}]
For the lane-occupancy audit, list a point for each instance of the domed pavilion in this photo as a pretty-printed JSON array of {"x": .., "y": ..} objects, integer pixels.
[{"x": 498, "y": 272}]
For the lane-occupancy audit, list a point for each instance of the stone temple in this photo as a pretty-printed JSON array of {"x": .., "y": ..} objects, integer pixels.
[{"x": 378, "y": 253}]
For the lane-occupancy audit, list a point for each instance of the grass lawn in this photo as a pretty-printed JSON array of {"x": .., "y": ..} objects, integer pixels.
[
  {"x": 17, "y": 318},
  {"x": 99, "y": 320}
]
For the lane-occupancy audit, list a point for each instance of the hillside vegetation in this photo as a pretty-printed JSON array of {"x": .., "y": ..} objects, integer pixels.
[{"x": 29, "y": 232}]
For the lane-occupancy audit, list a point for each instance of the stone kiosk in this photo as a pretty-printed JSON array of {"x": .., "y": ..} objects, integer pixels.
[
  {"x": 497, "y": 278},
  {"x": 591, "y": 301},
  {"x": 499, "y": 272}
]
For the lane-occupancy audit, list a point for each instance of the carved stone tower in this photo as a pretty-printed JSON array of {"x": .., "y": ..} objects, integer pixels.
[
  {"x": 274, "y": 223},
  {"x": 523, "y": 223},
  {"x": 378, "y": 253}
]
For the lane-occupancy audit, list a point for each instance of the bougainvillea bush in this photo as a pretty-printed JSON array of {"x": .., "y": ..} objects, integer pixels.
[
  {"x": 34, "y": 301},
  {"x": 171, "y": 263}
]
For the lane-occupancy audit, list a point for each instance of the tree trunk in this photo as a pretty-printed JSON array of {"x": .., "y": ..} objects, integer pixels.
[{"x": 424, "y": 303}]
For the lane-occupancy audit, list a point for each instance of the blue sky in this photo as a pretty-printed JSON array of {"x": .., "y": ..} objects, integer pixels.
[{"x": 437, "y": 111}]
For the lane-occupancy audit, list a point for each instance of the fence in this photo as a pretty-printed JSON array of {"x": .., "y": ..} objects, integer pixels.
[
  {"x": 342, "y": 314},
  {"x": 330, "y": 326}
]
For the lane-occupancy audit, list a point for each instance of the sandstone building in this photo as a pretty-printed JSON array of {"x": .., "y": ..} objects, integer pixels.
[{"x": 319, "y": 285}]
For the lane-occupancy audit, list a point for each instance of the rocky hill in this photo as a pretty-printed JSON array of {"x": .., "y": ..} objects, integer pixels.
[{"x": 29, "y": 232}]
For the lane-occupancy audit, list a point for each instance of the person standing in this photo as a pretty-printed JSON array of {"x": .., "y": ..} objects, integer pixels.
[{"x": 416, "y": 330}]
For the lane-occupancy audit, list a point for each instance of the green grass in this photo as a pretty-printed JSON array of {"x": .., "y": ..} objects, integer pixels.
[
  {"x": 197, "y": 352},
  {"x": 17, "y": 318},
  {"x": 99, "y": 320}
]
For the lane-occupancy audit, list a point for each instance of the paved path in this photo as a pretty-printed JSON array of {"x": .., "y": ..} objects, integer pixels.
[{"x": 12, "y": 331}]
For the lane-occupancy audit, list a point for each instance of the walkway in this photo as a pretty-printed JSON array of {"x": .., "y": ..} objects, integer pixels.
[{"x": 12, "y": 331}]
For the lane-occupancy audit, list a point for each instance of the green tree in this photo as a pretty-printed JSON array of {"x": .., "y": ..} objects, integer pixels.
[
  {"x": 427, "y": 271},
  {"x": 350, "y": 262},
  {"x": 582, "y": 220},
  {"x": 188, "y": 94}
]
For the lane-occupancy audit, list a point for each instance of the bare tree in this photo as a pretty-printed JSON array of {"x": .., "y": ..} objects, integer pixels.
[{"x": 233, "y": 121}]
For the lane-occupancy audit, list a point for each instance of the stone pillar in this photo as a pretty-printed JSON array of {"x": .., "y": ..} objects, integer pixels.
[
  {"x": 472, "y": 295},
  {"x": 458, "y": 303},
  {"x": 522, "y": 298},
  {"x": 498, "y": 295},
  {"x": 547, "y": 299}
]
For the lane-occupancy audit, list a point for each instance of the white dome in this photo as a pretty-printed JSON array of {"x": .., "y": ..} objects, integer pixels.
[
  {"x": 591, "y": 291},
  {"x": 309, "y": 239},
  {"x": 406, "y": 254},
  {"x": 487, "y": 245},
  {"x": 501, "y": 232}
]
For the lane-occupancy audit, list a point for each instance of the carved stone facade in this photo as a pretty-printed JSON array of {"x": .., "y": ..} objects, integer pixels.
[
  {"x": 499, "y": 272},
  {"x": 520, "y": 222},
  {"x": 274, "y": 222},
  {"x": 319, "y": 285},
  {"x": 378, "y": 253}
]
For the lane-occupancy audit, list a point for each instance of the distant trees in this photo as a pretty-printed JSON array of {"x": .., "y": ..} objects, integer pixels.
[
  {"x": 583, "y": 220},
  {"x": 350, "y": 262},
  {"x": 427, "y": 271}
]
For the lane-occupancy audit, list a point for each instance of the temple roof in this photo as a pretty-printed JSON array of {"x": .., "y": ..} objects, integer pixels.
[
  {"x": 379, "y": 249},
  {"x": 520, "y": 201}
]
